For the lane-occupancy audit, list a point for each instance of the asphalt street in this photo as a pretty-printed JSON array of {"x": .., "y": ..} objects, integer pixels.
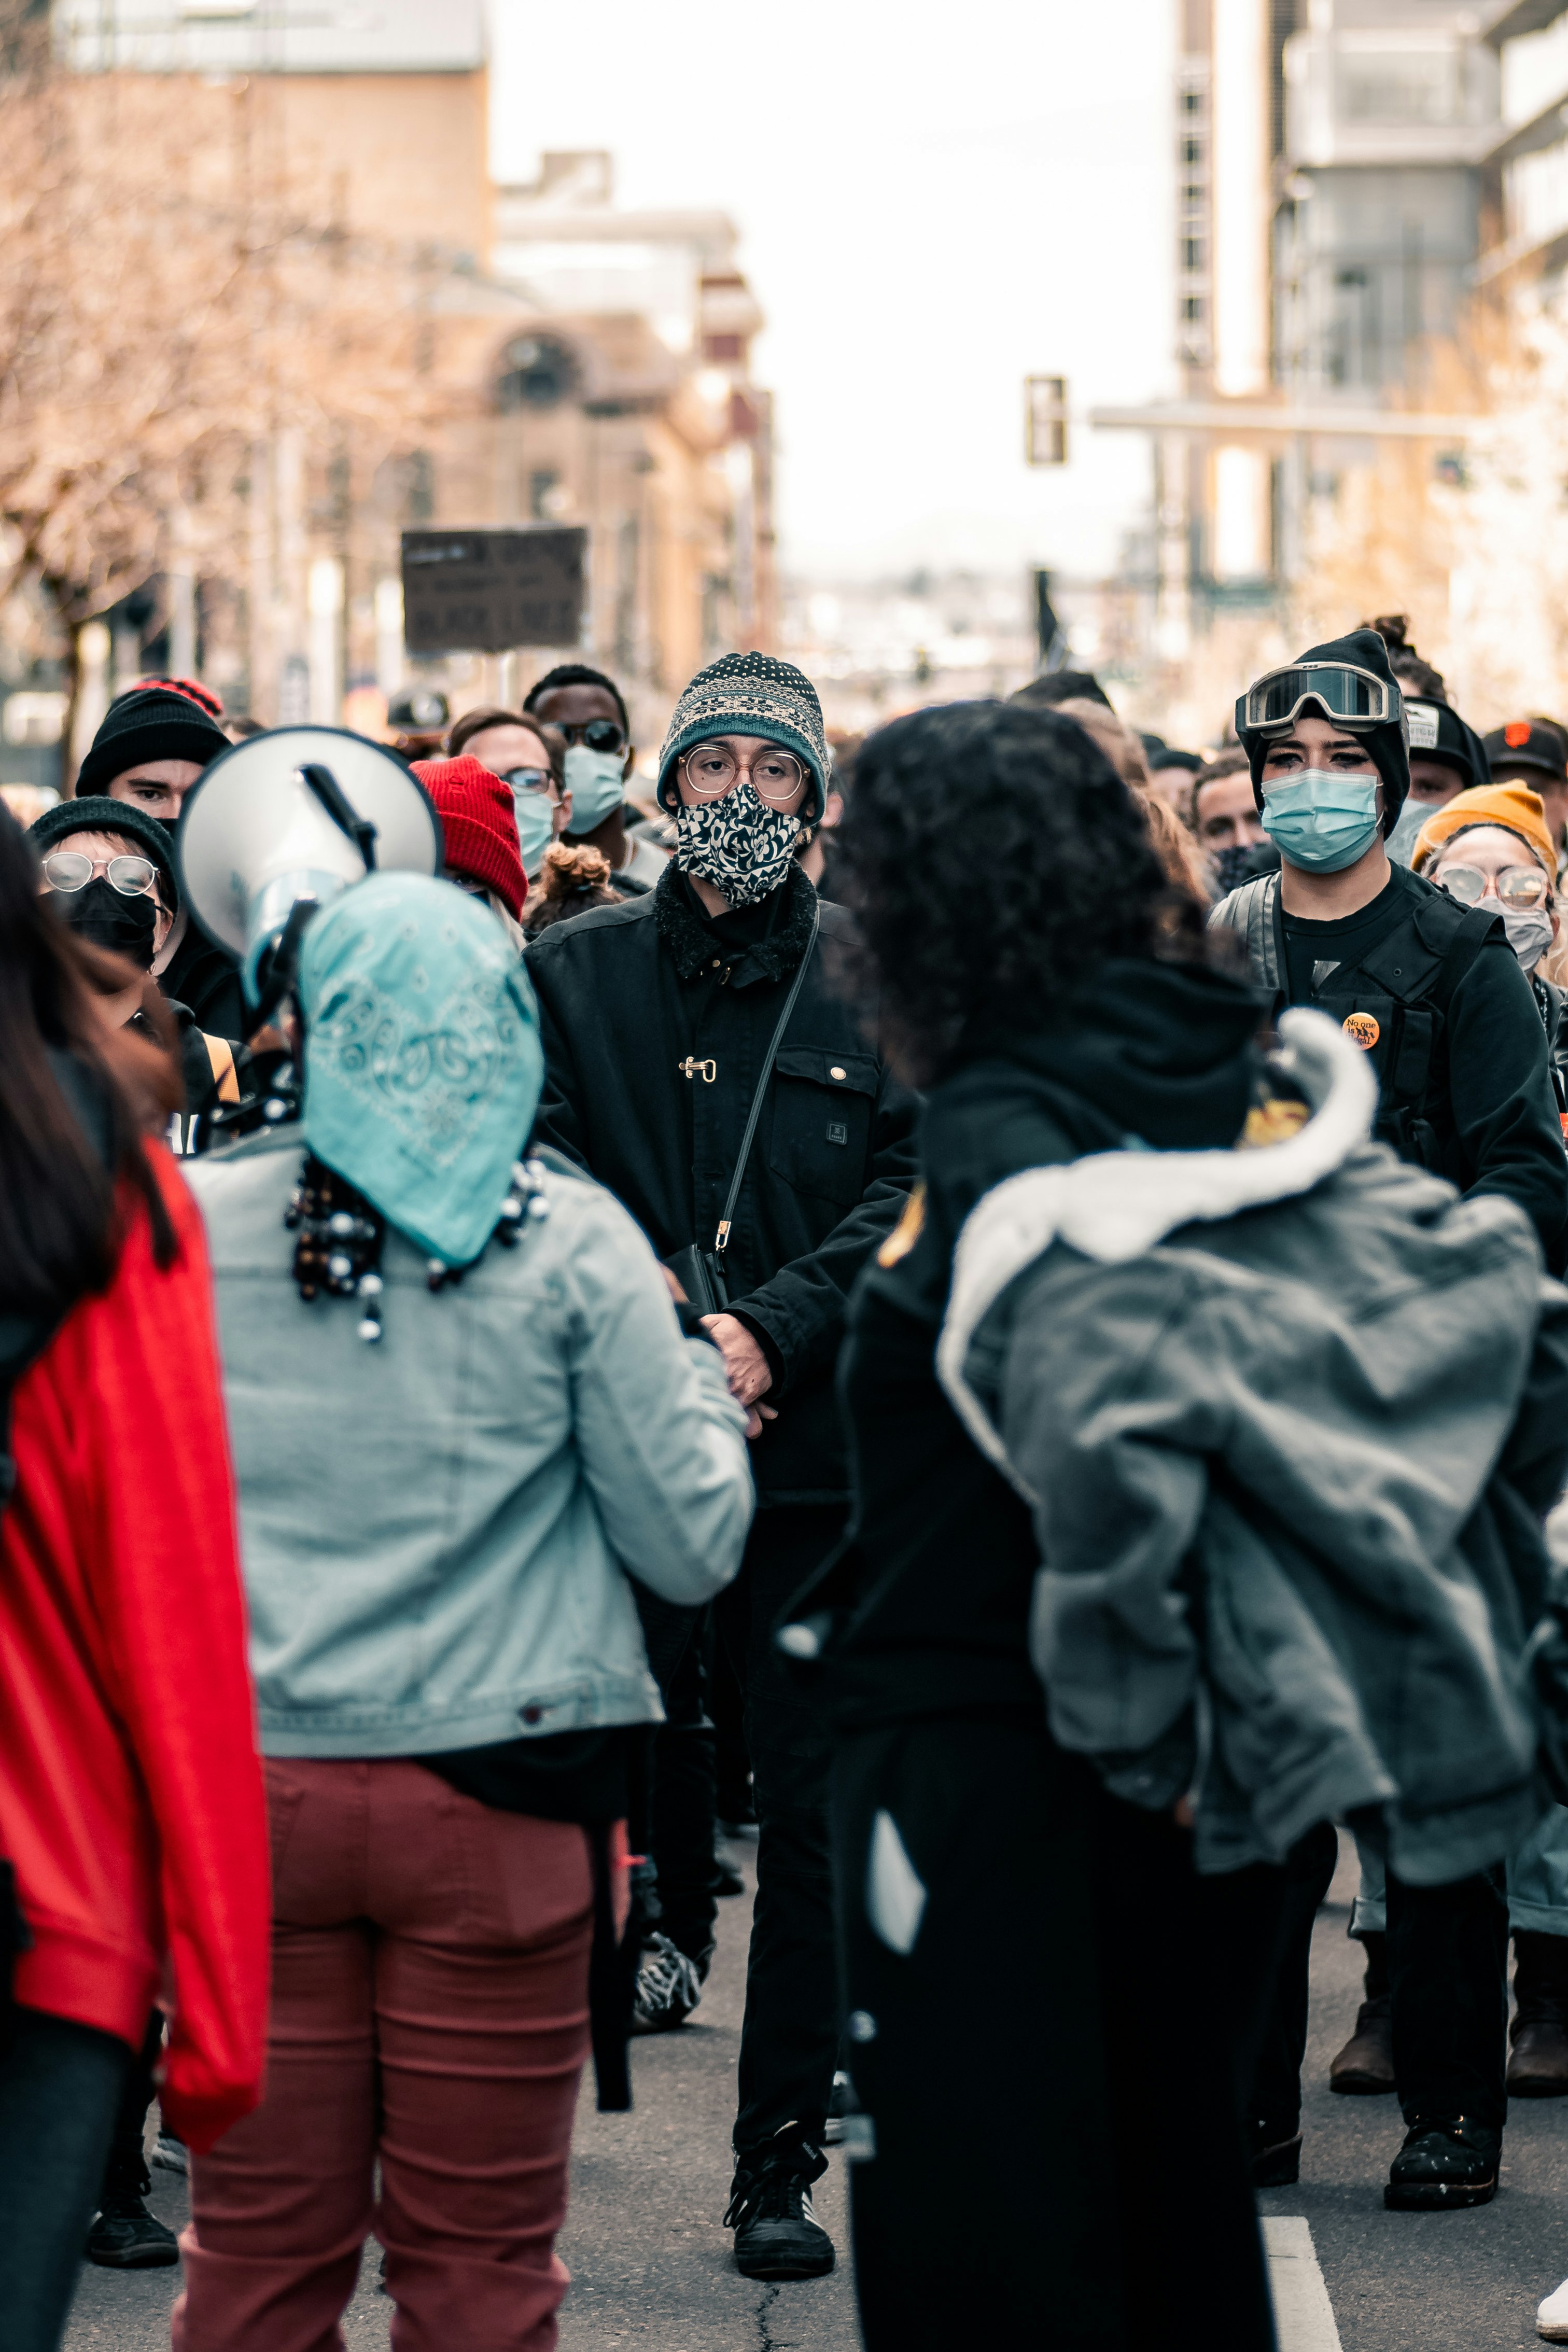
[
  {"x": 649, "y": 2259},
  {"x": 651, "y": 2265}
]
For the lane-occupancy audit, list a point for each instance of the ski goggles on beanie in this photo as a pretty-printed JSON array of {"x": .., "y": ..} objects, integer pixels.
[{"x": 1354, "y": 698}]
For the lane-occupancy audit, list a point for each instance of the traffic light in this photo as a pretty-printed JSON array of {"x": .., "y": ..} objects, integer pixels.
[{"x": 1046, "y": 398}]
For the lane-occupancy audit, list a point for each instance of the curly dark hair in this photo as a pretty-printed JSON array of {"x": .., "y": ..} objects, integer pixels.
[{"x": 994, "y": 858}]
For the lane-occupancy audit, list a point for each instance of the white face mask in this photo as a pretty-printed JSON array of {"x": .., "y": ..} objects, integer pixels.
[
  {"x": 597, "y": 786},
  {"x": 1529, "y": 932}
]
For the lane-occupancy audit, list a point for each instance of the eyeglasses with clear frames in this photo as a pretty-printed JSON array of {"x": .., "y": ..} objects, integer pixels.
[
  {"x": 73, "y": 869},
  {"x": 1516, "y": 885},
  {"x": 713, "y": 769}
]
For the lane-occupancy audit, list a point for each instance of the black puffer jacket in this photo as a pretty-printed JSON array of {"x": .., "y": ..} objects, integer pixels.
[{"x": 629, "y": 998}]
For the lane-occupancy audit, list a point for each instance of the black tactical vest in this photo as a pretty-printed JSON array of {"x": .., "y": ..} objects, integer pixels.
[{"x": 1394, "y": 1001}]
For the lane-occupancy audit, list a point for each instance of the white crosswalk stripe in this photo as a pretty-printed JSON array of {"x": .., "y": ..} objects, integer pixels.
[{"x": 1302, "y": 2312}]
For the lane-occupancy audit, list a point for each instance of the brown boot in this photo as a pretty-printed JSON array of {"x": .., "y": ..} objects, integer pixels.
[
  {"x": 1365, "y": 2065},
  {"x": 1538, "y": 2066}
]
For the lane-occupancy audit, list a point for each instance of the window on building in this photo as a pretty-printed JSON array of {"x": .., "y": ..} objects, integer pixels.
[{"x": 537, "y": 373}]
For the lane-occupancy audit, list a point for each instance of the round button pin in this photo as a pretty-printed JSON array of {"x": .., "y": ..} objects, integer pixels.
[
  {"x": 1362, "y": 1029},
  {"x": 836, "y": 1072}
]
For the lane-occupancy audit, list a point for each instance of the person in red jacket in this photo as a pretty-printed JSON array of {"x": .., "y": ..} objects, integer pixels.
[{"x": 131, "y": 1815}]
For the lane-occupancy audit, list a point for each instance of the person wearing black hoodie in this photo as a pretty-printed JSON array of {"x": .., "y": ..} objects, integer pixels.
[
  {"x": 940, "y": 1717},
  {"x": 1431, "y": 990},
  {"x": 153, "y": 744}
]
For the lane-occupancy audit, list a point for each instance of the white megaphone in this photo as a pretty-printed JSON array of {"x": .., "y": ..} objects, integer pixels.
[{"x": 285, "y": 822}]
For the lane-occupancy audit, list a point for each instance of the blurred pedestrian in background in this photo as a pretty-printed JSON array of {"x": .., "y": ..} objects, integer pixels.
[
  {"x": 531, "y": 758},
  {"x": 572, "y": 879},
  {"x": 109, "y": 869},
  {"x": 479, "y": 829},
  {"x": 701, "y": 1063},
  {"x": 465, "y": 1416},
  {"x": 1224, "y": 819},
  {"x": 152, "y": 746},
  {"x": 1534, "y": 752},
  {"x": 1446, "y": 757},
  {"x": 130, "y": 1805},
  {"x": 588, "y": 709}
]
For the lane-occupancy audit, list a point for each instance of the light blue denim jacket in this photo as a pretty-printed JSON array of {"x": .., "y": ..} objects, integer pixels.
[{"x": 437, "y": 1529}]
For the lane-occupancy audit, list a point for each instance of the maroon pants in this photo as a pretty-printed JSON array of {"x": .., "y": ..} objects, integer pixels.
[{"x": 429, "y": 2014}]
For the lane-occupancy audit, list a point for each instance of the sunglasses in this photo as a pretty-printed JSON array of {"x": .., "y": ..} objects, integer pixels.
[
  {"x": 595, "y": 734},
  {"x": 73, "y": 869}
]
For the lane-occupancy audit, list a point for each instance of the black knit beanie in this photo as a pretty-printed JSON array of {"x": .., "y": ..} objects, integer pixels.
[
  {"x": 1363, "y": 649},
  {"x": 152, "y": 723},
  {"x": 97, "y": 814}
]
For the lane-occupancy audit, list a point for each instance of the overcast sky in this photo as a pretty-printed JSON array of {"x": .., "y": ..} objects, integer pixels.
[{"x": 933, "y": 202}]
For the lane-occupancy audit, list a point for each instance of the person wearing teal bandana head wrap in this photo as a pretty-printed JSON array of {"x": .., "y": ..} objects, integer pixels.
[
  {"x": 423, "y": 1064},
  {"x": 439, "y": 1532}
]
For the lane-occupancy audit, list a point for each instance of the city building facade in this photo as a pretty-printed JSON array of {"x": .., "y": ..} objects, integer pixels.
[{"x": 572, "y": 363}]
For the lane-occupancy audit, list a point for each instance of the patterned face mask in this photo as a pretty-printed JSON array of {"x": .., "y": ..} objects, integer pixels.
[{"x": 739, "y": 844}]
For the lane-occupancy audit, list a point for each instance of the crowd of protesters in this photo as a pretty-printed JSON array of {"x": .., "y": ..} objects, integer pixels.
[{"x": 985, "y": 1297}]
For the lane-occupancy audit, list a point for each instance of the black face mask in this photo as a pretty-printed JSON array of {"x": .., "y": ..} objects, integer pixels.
[
  {"x": 109, "y": 919},
  {"x": 1233, "y": 865}
]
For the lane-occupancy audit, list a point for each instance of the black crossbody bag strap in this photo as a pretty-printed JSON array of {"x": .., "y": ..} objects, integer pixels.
[
  {"x": 721, "y": 1238},
  {"x": 699, "y": 1272}
]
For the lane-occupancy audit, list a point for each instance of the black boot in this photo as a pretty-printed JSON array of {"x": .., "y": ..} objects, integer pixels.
[
  {"x": 124, "y": 2236},
  {"x": 1274, "y": 2150},
  {"x": 1446, "y": 2161},
  {"x": 1538, "y": 2066},
  {"x": 1365, "y": 2065},
  {"x": 778, "y": 2235}
]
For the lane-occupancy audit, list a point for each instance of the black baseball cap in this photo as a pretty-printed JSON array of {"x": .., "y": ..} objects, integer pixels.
[{"x": 1533, "y": 743}]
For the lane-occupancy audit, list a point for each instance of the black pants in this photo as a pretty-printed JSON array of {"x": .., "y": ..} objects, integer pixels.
[
  {"x": 789, "y": 2037},
  {"x": 789, "y": 2040},
  {"x": 1058, "y": 2159},
  {"x": 684, "y": 1807},
  {"x": 1448, "y": 1981},
  {"x": 59, "y": 2088},
  {"x": 1275, "y": 2105},
  {"x": 124, "y": 2168}
]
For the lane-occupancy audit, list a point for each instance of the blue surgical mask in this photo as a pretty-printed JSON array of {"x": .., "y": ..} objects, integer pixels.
[
  {"x": 1321, "y": 823},
  {"x": 536, "y": 826},
  {"x": 597, "y": 786},
  {"x": 1403, "y": 839}
]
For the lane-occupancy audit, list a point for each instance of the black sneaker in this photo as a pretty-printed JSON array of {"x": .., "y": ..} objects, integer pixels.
[
  {"x": 1446, "y": 2160},
  {"x": 778, "y": 2235},
  {"x": 727, "y": 1879},
  {"x": 124, "y": 2236},
  {"x": 840, "y": 2104}
]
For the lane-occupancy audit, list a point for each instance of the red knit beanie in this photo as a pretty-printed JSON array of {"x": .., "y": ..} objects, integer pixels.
[{"x": 480, "y": 823}]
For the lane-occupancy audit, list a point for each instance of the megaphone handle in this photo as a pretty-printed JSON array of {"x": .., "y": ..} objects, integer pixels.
[
  {"x": 284, "y": 961},
  {"x": 341, "y": 811}
]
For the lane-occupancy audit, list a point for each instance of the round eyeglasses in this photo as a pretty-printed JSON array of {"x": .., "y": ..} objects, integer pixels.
[
  {"x": 530, "y": 780},
  {"x": 73, "y": 869},
  {"x": 1517, "y": 886},
  {"x": 713, "y": 769}
]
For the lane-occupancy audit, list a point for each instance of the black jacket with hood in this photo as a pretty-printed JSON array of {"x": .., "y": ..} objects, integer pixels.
[{"x": 655, "y": 1019}]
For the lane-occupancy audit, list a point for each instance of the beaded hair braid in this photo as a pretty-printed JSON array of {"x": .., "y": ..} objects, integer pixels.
[{"x": 342, "y": 1235}]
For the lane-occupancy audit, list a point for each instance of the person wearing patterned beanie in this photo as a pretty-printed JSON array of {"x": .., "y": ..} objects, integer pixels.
[
  {"x": 666, "y": 1023},
  {"x": 478, "y": 824}
]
